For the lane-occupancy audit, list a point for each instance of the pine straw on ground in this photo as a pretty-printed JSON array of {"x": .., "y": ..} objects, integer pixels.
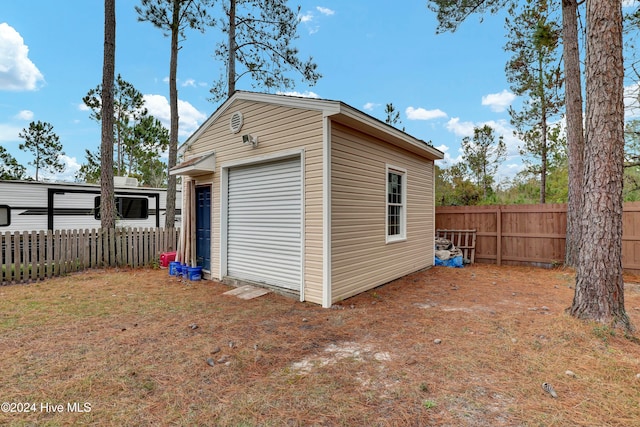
[{"x": 126, "y": 342}]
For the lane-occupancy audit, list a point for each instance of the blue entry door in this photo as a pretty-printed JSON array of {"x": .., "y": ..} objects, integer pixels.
[{"x": 203, "y": 227}]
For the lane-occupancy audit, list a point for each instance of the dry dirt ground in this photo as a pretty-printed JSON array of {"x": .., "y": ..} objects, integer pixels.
[{"x": 443, "y": 347}]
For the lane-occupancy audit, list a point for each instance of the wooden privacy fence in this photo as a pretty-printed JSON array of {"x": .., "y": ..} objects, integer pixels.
[
  {"x": 531, "y": 234},
  {"x": 34, "y": 255}
]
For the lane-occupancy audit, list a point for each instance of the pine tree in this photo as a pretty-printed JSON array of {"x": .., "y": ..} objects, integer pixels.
[
  {"x": 107, "y": 193},
  {"x": 599, "y": 292},
  {"x": 259, "y": 43},
  {"x": 45, "y": 146},
  {"x": 173, "y": 17},
  {"x": 534, "y": 73},
  {"x": 483, "y": 155},
  {"x": 128, "y": 106},
  {"x": 10, "y": 169}
]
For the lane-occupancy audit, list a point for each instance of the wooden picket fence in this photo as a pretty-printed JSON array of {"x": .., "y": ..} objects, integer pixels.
[{"x": 36, "y": 255}]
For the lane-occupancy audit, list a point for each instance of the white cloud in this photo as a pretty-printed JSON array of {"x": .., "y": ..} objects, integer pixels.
[
  {"x": 17, "y": 71},
  {"x": 325, "y": 11},
  {"x": 9, "y": 133},
  {"x": 71, "y": 168},
  {"x": 629, "y": 3},
  {"x": 24, "y": 115},
  {"x": 306, "y": 94},
  {"x": 190, "y": 117},
  {"x": 83, "y": 107},
  {"x": 422, "y": 114},
  {"x": 498, "y": 102},
  {"x": 460, "y": 128},
  {"x": 189, "y": 82},
  {"x": 369, "y": 106},
  {"x": 307, "y": 17},
  {"x": 442, "y": 148},
  {"x": 502, "y": 127},
  {"x": 448, "y": 159}
]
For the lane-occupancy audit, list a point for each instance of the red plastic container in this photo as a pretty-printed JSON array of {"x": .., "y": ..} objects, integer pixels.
[{"x": 166, "y": 258}]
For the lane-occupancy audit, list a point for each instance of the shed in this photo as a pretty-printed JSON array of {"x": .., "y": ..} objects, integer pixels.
[{"x": 310, "y": 197}]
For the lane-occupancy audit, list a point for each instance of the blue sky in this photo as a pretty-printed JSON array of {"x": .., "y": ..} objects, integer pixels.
[{"x": 370, "y": 53}]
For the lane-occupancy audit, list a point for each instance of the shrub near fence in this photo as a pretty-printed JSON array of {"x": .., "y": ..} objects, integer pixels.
[
  {"x": 34, "y": 255},
  {"x": 531, "y": 234}
]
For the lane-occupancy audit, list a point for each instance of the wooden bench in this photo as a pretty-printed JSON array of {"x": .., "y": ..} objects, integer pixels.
[{"x": 465, "y": 240}]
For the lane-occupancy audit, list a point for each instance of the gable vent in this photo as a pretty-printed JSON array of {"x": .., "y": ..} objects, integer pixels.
[{"x": 235, "y": 124}]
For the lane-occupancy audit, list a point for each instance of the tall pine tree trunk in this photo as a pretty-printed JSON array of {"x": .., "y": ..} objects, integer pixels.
[
  {"x": 575, "y": 133},
  {"x": 107, "y": 200},
  {"x": 543, "y": 162},
  {"x": 173, "y": 106},
  {"x": 599, "y": 293},
  {"x": 543, "y": 133},
  {"x": 231, "y": 76}
]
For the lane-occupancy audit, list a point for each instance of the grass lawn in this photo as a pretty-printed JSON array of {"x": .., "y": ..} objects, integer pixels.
[{"x": 443, "y": 347}]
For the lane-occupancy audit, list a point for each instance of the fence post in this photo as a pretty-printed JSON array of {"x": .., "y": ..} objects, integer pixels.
[
  {"x": 32, "y": 247},
  {"x": 8, "y": 239},
  {"x": 42, "y": 255},
  {"x": 498, "y": 235}
]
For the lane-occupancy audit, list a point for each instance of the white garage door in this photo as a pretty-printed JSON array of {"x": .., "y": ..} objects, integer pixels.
[{"x": 264, "y": 223}]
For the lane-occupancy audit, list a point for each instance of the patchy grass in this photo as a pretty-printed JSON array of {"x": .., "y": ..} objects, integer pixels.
[{"x": 447, "y": 347}]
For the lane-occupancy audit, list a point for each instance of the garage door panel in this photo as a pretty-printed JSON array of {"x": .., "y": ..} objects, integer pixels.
[{"x": 264, "y": 223}]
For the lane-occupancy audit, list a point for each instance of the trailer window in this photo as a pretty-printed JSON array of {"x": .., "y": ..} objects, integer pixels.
[
  {"x": 5, "y": 215},
  {"x": 127, "y": 207}
]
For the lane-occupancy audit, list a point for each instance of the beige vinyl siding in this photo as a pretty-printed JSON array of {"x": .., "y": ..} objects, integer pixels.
[
  {"x": 279, "y": 129},
  {"x": 360, "y": 257}
]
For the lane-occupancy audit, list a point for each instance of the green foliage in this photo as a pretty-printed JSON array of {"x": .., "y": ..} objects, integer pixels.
[
  {"x": 128, "y": 106},
  {"x": 139, "y": 138},
  {"x": 10, "y": 169},
  {"x": 191, "y": 14},
  {"x": 453, "y": 188},
  {"x": 393, "y": 116},
  {"x": 631, "y": 189},
  {"x": 429, "y": 404},
  {"x": 603, "y": 332},
  {"x": 534, "y": 72},
  {"x": 45, "y": 146},
  {"x": 260, "y": 45},
  {"x": 483, "y": 155},
  {"x": 89, "y": 171},
  {"x": 452, "y": 13}
]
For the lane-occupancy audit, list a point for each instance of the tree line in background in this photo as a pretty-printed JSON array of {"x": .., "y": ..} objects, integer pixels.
[{"x": 535, "y": 39}]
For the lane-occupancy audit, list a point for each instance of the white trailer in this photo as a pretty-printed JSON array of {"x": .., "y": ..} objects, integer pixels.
[{"x": 31, "y": 205}]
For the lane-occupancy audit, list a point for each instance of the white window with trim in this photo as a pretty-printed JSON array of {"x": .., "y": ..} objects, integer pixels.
[{"x": 396, "y": 204}]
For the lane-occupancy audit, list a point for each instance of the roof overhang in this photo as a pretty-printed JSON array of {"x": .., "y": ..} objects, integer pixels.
[
  {"x": 334, "y": 110},
  {"x": 199, "y": 165},
  {"x": 356, "y": 119}
]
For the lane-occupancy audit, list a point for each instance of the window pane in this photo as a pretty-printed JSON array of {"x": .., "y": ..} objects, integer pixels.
[
  {"x": 393, "y": 220},
  {"x": 126, "y": 207},
  {"x": 5, "y": 216},
  {"x": 395, "y": 202},
  {"x": 132, "y": 208}
]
